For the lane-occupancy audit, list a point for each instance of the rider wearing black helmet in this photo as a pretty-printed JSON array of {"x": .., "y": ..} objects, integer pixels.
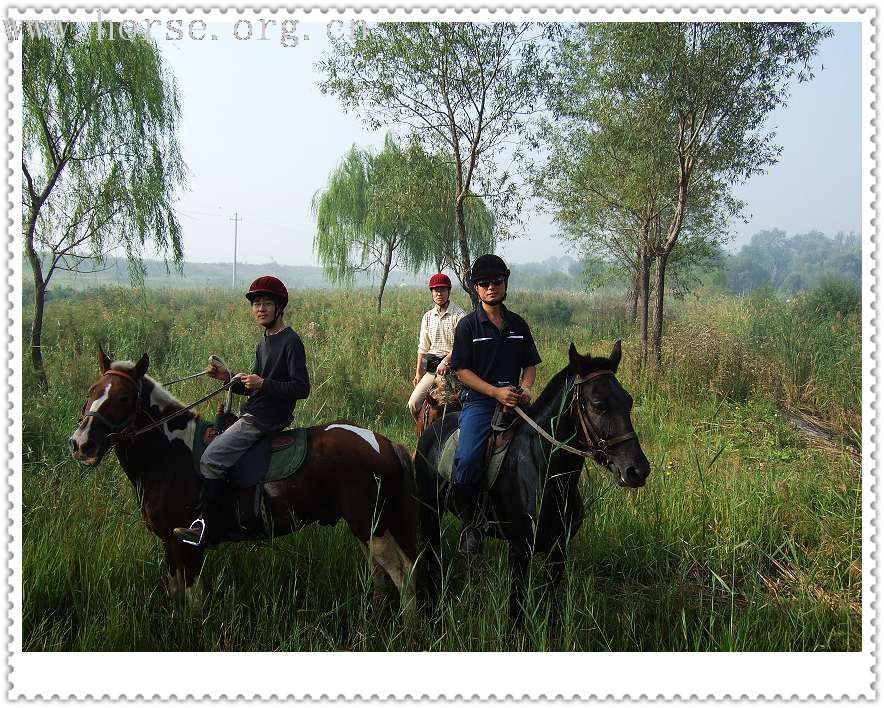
[
  {"x": 494, "y": 353},
  {"x": 278, "y": 380}
]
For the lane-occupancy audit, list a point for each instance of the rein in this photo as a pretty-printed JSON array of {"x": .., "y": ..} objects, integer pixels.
[{"x": 598, "y": 445}]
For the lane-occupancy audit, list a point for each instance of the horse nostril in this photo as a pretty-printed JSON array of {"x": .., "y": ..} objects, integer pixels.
[
  {"x": 635, "y": 473},
  {"x": 72, "y": 444}
]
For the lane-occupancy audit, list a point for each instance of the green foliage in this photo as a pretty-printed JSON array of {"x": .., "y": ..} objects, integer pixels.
[
  {"x": 391, "y": 208},
  {"x": 105, "y": 114},
  {"x": 463, "y": 89},
  {"x": 747, "y": 537}
]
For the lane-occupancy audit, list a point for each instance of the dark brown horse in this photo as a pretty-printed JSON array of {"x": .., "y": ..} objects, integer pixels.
[{"x": 349, "y": 473}]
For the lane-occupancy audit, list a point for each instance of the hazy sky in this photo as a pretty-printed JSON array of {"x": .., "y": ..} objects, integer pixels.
[{"x": 260, "y": 139}]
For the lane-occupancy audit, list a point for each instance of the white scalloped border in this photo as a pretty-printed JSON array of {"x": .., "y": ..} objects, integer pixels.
[{"x": 301, "y": 671}]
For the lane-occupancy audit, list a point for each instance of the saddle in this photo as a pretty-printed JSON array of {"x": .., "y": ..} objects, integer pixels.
[
  {"x": 504, "y": 425},
  {"x": 273, "y": 458}
]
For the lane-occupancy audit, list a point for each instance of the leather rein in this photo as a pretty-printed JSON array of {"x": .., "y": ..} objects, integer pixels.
[
  {"x": 596, "y": 444},
  {"x": 120, "y": 430}
]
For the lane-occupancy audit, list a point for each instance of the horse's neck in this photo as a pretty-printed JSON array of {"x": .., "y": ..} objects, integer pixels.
[
  {"x": 555, "y": 416},
  {"x": 156, "y": 453}
]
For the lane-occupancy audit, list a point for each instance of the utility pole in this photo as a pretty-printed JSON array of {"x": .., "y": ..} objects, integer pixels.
[{"x": 235, "y": 219}]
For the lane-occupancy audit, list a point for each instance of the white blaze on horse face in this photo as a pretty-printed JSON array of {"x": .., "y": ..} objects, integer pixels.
[
  {"x": 366, "y": 435},
  {"x": 81, "y": 434}
]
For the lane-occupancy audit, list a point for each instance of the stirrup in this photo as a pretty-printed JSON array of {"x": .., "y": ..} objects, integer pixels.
[
  {"x": 470, "y": 541},
  {"x": 194, "y": 534}
]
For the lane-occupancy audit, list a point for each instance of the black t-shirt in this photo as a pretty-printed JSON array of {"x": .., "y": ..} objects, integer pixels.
[
  {"x": 497, "y": 356},
  {"x": 281, "y": 361}
]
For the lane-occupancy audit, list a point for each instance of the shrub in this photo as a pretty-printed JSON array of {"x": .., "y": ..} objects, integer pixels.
[{"x": 835, "y": 296}]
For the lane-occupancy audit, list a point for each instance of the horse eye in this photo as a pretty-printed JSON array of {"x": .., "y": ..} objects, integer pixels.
[{"x": 599, "y": 404}]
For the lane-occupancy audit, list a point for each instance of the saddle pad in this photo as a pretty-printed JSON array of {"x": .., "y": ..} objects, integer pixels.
[
  {"x": 288, "y": 450},
  {"x": 446, "y": 461}
]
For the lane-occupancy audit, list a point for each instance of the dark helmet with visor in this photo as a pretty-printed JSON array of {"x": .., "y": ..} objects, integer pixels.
[{"x": 488, "y": 266}]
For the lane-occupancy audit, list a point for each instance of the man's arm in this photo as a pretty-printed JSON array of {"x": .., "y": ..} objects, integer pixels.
[
  {"x": 417, "y": 371},
  {"x": 471, "y": 380},
  {"x": 529, "y": 374}
]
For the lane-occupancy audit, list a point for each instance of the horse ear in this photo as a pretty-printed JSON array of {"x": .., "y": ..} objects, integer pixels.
[
  {"x": 616, "y": 353},
  {"x": 141, "y": 366},
  {"x": 574, "y": 358},
  {"x": 104, "y": 361}
]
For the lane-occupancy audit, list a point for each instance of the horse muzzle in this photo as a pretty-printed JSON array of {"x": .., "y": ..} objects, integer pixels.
[
  {"x": 632, "y": 476},
  {"x": 88, "y": 453}
]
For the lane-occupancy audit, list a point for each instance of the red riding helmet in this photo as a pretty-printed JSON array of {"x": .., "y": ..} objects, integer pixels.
[
  {"x": 268, "y": 285},
  {"x": 440, "y": 280}
]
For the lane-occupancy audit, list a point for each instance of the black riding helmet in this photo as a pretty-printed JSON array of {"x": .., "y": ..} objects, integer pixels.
[{"x": 488, "y": 266}]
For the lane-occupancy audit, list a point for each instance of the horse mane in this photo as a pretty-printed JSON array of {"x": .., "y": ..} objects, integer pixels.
[
  {"x": 162, "y": 397},
  {"x": 554, "y": 388}
]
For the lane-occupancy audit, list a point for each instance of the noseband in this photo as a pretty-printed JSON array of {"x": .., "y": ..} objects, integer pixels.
[{"x": 597, "y": 445}]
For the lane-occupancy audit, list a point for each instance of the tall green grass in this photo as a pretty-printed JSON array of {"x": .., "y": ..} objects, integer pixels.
[{"x": 745, "y": 538}]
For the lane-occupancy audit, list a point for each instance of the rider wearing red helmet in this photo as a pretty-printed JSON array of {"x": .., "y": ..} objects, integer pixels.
[
  {"x": 278, "y": 380},
  {"x": 435, "y": 340}
]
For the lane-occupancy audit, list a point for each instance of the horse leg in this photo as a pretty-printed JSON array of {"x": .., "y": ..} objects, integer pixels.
[
  {"x": 431, "y": 509},
  {"x": 183, "y": 565},
  {"x": 555, "y": 570},
  {"x": 382, "y": 587},
  {"x": 518, "y": 561},
  {"x": 387, "y": 553}
]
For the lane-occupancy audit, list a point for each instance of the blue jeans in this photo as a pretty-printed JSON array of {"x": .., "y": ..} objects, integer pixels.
[{"x": 475, "y": 427}]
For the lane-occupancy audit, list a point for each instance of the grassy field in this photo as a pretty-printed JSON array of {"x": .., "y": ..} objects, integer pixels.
[{"x": 747, "y": 536}]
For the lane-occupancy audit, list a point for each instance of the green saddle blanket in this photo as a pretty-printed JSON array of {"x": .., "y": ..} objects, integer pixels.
[
  {"x": 288, "y": 451},
  {"x": 446, "y": 461}
]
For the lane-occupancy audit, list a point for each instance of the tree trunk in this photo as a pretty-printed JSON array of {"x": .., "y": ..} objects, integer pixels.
[
  {"x": 39, "y": 304},
  {"x": 658, "y": 308},
  {"x": 388, "y": 259},
  {"x": 464, "y": 250},
  {"x": 644, "y": 299},
  {"x": 632, "y": 296}
]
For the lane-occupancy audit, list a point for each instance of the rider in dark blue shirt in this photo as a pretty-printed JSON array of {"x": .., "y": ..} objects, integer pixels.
[{"x": 493, "y": 354}]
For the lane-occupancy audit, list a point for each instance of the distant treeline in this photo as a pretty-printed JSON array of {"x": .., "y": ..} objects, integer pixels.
[
  {"x": 771, "y": 259},
  {"x": 788, "y": 265}
]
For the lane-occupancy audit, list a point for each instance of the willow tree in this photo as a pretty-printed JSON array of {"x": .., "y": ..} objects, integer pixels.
[
  {"x": 100, "y": 156},
  {"x": 465, "y": 90},
  {"x": 390, "y": 209}
]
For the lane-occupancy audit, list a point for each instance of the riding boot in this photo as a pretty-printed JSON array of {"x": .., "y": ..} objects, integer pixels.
[
  {"x": 207, "y": 530},
  {"x": 466, "y": 500}
]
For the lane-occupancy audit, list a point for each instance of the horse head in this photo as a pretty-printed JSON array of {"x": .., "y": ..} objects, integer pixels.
[
  {"x": 602, "y": 408},
  {"x": 111, "y": 407}
]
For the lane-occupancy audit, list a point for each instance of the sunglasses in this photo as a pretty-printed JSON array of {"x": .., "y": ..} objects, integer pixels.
[{"x": 486, "y": 282}]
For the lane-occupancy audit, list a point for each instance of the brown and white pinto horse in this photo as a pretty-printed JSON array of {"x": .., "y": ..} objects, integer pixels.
[{"x": 349, "y": 473}]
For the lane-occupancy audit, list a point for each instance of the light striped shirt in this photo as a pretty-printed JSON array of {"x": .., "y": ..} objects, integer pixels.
[{"x": 437, "y": 331}]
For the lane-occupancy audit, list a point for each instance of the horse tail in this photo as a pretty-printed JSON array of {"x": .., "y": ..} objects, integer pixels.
[{"x": 406, "y": 504}]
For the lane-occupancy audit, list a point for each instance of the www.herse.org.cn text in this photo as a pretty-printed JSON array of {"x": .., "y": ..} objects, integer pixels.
[{"x": 179, "y": 29}]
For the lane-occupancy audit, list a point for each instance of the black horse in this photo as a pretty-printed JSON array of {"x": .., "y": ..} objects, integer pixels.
[{"x": 535, "y": 505}]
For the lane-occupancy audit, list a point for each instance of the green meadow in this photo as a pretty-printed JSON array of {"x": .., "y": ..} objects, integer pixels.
[{"x": 747, "y": 536}]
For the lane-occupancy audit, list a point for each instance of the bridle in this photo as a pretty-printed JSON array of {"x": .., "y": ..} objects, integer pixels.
[
  {"x": 121, "y": 430},
  {"x": 597, "y": 446}
]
